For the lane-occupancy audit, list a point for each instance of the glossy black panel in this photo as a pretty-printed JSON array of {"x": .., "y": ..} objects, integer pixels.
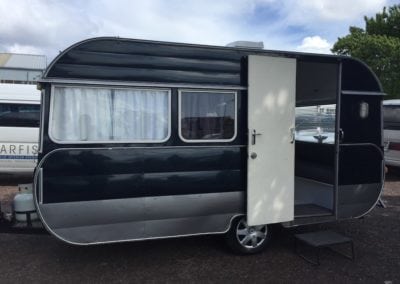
[
  {"x": 148, "y": 61},
  {"x": 315, "y": 161},
  {"x": 91, "y": 187},
  {"x": 98, "y": 174},
  {"x": 359, "y": 129},
  {"x": 130, "y": 60},
  {"x": 127, "y": 46},
  {"x": 360, "y": 164},
  {"x": 93, "y": 162},
  {"x": 144, "y": 75},
  {"x": 358, "y": 77},
  {"x": 94, "y": 59}
]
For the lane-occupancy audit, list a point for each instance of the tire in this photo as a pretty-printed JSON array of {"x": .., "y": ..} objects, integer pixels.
[{"x": 244, "y": 239}]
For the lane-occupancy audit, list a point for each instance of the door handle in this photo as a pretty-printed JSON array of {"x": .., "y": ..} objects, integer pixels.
[
  {"x": 292, "y": 135},
  {"x": 254, "y": 135},
  {"x": 341, "y": 135}
]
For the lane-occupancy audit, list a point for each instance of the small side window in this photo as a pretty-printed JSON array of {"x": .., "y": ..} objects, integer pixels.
[{"x": 207, "y": 116}]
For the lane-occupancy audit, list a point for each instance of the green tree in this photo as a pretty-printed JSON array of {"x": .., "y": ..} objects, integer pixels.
[{"x": 379, "y": 46}]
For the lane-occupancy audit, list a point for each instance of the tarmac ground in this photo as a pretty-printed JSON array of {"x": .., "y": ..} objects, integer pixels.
[{"x": 42, "y": 258}]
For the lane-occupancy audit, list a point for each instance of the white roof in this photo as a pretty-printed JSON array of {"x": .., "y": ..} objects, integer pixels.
[
  {"x": 23, "y": 61},
  {"x": 391, "y": 102},
  {"x": 19, "y": 93}
]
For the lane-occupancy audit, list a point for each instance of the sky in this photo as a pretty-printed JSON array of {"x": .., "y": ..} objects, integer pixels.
[{"x": 50, "y": 26}]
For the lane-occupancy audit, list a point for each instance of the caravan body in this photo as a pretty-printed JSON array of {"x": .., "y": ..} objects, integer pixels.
[{"x": 143, "y": 139}]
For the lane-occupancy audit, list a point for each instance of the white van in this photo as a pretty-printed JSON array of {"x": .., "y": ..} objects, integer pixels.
[
  {"x": 19, "y": 128},
  {"x": 391, "y": 120}
]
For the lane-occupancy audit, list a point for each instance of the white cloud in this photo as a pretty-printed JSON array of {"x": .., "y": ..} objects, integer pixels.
[
  {"x": 47, "y": 26},
  {"x": 24, "y": 49},
  {"x": 314, "y": 11},
  {"x": 315, "y": 44}
]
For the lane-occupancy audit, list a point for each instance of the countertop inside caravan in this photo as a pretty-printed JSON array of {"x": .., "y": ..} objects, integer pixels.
[{"x": 42, "y": 258}]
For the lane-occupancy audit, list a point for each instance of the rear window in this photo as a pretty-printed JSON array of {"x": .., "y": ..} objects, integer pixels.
[
  {"x": 19, "y": 115},
  {"x": 391, "y": 117}
]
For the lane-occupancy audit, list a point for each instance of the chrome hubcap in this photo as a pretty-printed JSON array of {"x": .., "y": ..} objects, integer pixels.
[{"x": 250, "y": 236}]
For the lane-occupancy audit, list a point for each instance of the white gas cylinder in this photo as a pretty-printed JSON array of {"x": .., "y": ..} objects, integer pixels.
[{"x": 23, "y": 202}]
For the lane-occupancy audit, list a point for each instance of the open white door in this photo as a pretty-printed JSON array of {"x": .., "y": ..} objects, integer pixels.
[{"x": 271, "y": 119}]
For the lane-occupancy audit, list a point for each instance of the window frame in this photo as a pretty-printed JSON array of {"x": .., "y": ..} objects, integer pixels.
[
  {"x": 57, "y": 141},
  {"x": 180, "y": 91}
]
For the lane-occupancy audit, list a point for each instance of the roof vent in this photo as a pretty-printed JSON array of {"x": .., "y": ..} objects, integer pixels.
[{"x": 247, "y": 44}]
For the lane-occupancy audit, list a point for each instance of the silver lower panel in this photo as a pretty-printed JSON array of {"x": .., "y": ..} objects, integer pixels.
[{"x": 117, "y": 220}]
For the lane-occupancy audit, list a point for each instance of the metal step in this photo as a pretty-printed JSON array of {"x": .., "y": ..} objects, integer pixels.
[{"x": 323, "y": 239}]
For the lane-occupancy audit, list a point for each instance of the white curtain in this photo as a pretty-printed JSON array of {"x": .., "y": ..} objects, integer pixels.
[
  {"x": 97, "y": 114},
  {"x": 140, "y": 114}
]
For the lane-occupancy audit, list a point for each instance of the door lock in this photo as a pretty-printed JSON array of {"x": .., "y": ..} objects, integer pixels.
[
  {"x": 253, "y": 155},
  {"x": 254, "y": 135}
]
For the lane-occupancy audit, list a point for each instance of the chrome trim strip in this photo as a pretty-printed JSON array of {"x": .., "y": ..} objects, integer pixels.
[
  {"x": 41, "y": 123},
  {"x": 204, "y": 140},
  {"x": 139, "y": 84},
  {"x": 108, "y": 141},
  {"x": 363, "y": 93},
  {"x": 40, "y": 186}
]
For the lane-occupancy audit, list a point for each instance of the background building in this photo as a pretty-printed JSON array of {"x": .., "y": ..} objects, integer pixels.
[{"x": 21, "y": 68}]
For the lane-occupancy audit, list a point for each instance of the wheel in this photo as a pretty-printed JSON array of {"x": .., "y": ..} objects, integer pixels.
[{"x": 244, "y": 239}]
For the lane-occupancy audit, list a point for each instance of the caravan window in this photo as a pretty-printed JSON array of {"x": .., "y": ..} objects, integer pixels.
[
  {"x": 90, "y": 115},
  {"x": 207, "y": 116},
  {"x": 19, "y": 115}
]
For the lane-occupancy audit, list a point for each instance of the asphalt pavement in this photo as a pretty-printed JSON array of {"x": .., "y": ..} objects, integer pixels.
[{"x": 40, "y": 258}]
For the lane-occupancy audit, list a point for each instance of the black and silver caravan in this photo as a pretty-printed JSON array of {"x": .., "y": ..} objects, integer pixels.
[{"x": 145, "y": 140}]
